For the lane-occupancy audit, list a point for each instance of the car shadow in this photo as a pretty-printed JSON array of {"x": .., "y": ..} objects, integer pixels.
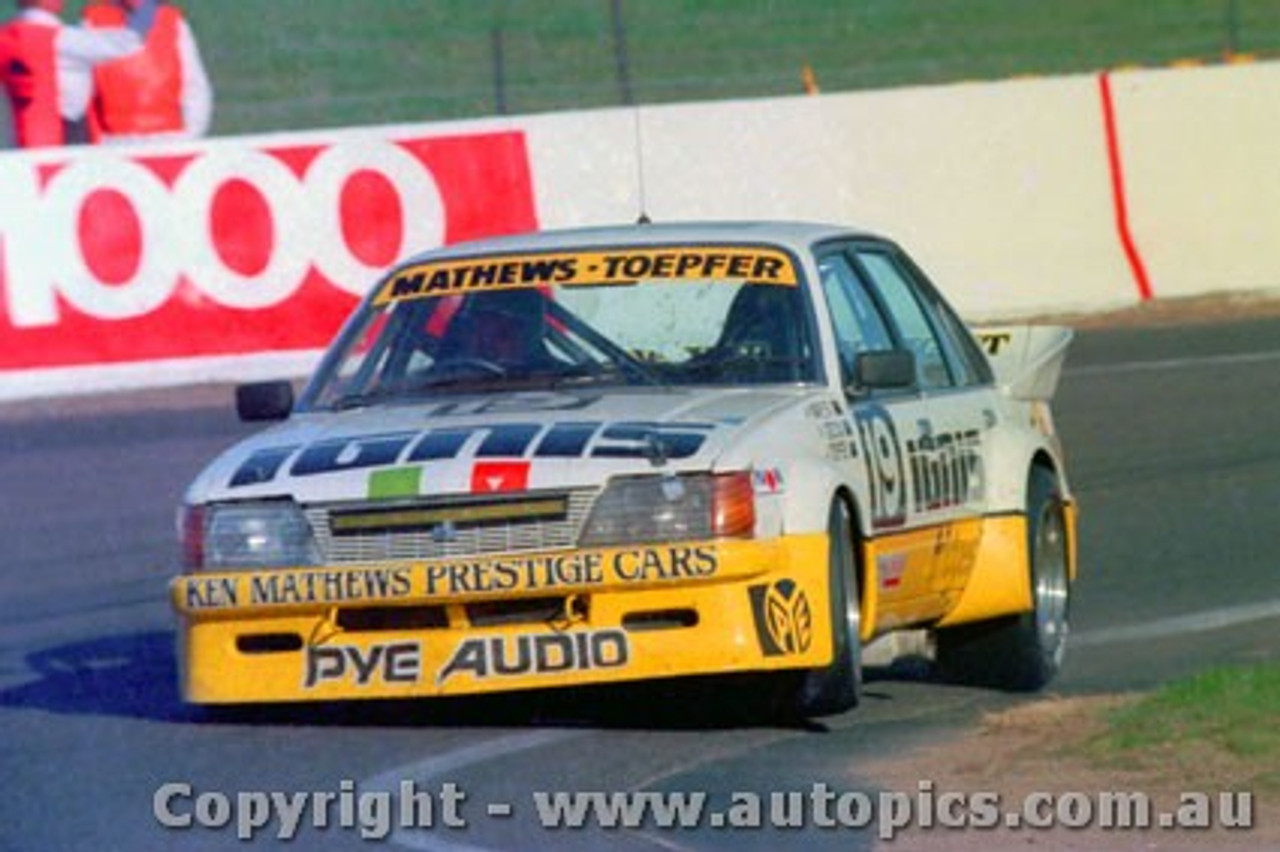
[
  {"x": 135, "y": 676},
  {"x": 131, "y": 675}
]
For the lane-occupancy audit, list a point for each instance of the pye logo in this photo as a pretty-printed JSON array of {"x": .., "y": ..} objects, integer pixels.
[
  {"x": 112, "y": 235},
  {"x": 396, "y": 662}
]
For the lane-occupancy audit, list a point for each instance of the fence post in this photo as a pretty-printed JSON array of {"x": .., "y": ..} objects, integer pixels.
[
  {"x": 1233, "y": 28},
  {"x": 621, "y": 59},
  {"x": 497, "y": 41}
]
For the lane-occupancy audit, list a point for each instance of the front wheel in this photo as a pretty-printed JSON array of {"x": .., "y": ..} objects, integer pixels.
[
  {"x": 1021, "y": 652},
  {"x": 835, "y": 687}
]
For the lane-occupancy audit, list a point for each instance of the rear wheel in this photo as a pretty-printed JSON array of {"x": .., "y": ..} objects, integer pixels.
[
  {"x": 835, "y": 687},
  {"x": 1021, "y": 652}
]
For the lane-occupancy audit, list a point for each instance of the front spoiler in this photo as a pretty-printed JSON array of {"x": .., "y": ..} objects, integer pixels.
[{"x": 504, "y": 623}]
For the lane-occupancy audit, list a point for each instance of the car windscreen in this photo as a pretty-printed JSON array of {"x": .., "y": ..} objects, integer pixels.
[{"x": 630, "y": 317}]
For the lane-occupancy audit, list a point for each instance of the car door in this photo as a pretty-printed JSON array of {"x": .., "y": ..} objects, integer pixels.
[{"x": 922, "y": 450}]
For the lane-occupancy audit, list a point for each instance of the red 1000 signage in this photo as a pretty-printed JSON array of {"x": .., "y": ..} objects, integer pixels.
[{"x": 234, "y": 248}]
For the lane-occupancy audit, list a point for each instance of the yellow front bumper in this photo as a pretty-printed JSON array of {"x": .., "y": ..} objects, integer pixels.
[{"x": 454, "y": 627}]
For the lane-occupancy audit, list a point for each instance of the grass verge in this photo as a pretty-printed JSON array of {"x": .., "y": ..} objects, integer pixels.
[{"x": 1221, "y": 723}]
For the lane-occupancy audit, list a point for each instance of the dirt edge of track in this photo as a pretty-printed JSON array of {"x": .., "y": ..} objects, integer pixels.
[{"x": 1040, "y": 747}]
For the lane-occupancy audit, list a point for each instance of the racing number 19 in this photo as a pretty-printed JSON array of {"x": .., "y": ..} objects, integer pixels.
[{"x": 886, "y": 475}]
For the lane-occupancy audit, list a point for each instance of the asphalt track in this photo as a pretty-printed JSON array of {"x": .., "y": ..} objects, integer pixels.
[{"x": 1174, "y": 452}]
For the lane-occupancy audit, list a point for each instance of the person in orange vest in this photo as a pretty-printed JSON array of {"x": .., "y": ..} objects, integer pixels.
[
  {"x": 46, "y": 69},
  {"x": 160, "y": 92}
]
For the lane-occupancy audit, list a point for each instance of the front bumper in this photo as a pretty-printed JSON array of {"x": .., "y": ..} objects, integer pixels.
[{"x": 475, "y": 625}]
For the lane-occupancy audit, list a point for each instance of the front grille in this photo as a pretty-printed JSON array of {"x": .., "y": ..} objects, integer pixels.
[
  {"x": 380, "y": 531},
  {"x": 374, "y": 618},
  {"x": 520, "y": 611}
]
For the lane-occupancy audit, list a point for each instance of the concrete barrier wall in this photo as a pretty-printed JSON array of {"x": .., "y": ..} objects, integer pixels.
[
  {"x": 1202, "y": 166},
  {"x": 1000, "y": 190},
  {"x": 162, "y": 264}
]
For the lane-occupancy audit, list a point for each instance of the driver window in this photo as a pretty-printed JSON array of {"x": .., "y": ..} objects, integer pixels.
[
  {"x": 857, "y": 323},
  {"x": 916, "y": 331}
]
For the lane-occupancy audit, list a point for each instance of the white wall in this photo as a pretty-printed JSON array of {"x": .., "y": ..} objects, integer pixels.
[
  {"x": 1202, "y": 158},
  {"x": 1001, "y": 190}
]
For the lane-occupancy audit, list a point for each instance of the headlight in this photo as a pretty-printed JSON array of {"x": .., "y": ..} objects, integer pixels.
[
  {"x": 247, "y": 535},
  {"x": 647, "y": 509}
]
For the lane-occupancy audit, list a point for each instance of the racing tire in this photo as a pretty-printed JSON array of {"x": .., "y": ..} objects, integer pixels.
[
  {"x": 836, "y": 687},
  {"x": 1021, "y": 653}
]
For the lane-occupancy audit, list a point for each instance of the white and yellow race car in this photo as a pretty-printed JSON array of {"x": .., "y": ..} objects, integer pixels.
[{"x": 630, "y": 453}]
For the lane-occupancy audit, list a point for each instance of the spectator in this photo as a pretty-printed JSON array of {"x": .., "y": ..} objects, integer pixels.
[
  {"x": 161, "y": 91},
  {"x": 46, "y": 69}
]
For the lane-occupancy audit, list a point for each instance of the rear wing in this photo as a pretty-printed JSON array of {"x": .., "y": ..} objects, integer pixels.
[{"x": 1027, "y": 359}]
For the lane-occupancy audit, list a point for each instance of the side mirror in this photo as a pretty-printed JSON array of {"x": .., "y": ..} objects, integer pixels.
[
  {"x": 259, "y": 401},
  {"x": 894, "y": 369}
]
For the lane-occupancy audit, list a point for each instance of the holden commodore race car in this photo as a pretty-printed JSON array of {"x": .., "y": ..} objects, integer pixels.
[{"x": 637, "y": 452}]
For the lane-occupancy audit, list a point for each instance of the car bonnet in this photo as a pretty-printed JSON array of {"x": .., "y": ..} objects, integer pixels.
[{"x": 461, "y": 445}]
